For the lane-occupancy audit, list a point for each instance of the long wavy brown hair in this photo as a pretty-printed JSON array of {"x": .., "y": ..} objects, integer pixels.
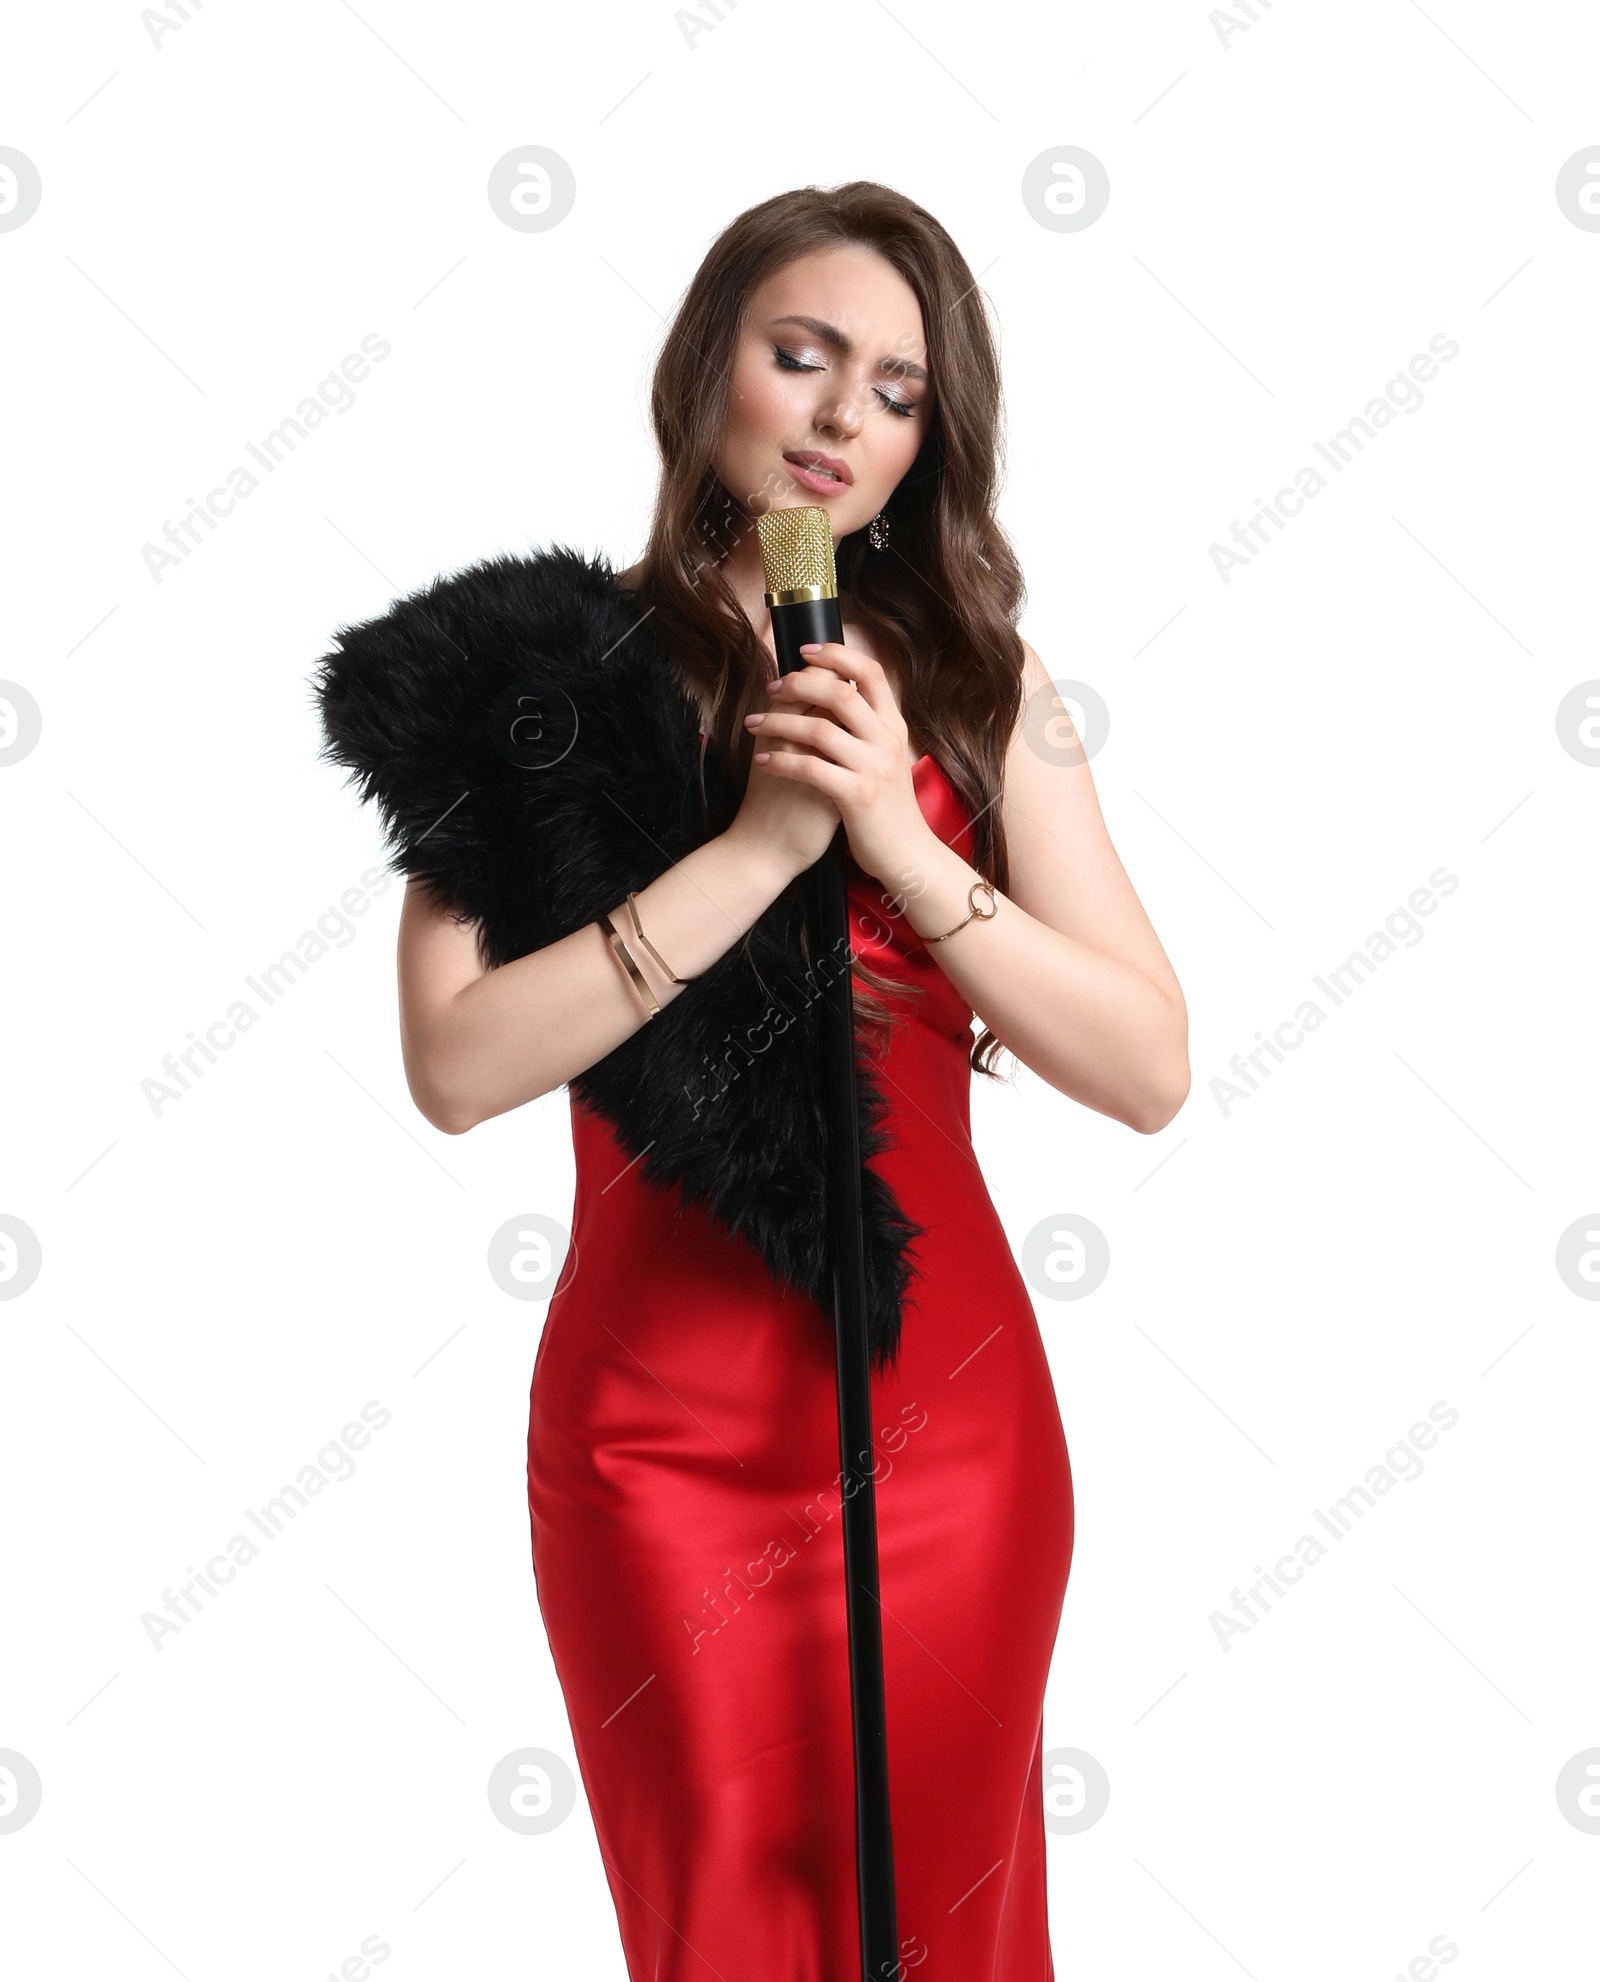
[{"x": 941, "y": 599}]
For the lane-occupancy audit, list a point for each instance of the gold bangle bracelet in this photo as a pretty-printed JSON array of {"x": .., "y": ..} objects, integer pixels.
[
  {"x": 625, "y": 958},
  {"x": 973, "y": 910},
  {"x": 638, "y": 928}
]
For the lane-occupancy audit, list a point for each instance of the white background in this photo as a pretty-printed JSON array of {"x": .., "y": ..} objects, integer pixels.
[{"x": 227, "y": 210}]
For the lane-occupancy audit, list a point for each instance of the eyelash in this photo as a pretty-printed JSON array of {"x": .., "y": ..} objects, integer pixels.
[{"x": 902, "y": 408}]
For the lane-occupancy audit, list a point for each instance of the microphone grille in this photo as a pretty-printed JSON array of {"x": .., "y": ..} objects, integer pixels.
[{"x": 797, "y": 550}]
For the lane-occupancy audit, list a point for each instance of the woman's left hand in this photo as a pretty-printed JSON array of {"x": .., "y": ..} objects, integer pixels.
[{"x": 841, "y": 706}]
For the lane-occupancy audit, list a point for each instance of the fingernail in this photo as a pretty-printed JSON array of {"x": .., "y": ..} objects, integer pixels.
[{"x": 812, "y": 647}]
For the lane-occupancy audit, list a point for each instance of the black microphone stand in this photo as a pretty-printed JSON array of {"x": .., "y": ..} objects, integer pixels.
[{"x": 796, "y": 620}]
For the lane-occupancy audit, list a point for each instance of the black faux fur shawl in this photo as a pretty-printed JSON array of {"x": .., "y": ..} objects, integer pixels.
[{"x": 535, "y": 755}]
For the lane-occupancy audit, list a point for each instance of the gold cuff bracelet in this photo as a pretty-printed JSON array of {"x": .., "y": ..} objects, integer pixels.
[
  {"x": 625, "y": 957},
  {"x": 638, "y": 929}
]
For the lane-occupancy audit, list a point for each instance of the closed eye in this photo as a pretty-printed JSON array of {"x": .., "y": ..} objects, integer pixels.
[{"x": 788, "y": 362}]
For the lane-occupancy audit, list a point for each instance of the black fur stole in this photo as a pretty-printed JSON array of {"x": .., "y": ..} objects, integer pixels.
[{"x": 535, "y": 755}]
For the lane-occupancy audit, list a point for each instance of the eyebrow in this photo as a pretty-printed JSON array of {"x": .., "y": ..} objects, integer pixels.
[{"x": 842, "y": 344}]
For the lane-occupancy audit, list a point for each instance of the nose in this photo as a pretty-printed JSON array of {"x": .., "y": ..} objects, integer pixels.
[{"x": 842, "y": 417}]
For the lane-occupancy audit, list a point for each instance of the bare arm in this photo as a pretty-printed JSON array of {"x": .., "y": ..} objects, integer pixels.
[
  {"x": 1069, "y": 974},
  {"x": 477, "y": 1042}
]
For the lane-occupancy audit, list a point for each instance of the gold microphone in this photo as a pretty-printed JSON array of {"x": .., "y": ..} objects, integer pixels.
[{"x": 797, "y": 556}]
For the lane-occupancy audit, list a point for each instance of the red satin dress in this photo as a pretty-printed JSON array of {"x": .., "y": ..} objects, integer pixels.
[{"x": 683, "y": 1465}]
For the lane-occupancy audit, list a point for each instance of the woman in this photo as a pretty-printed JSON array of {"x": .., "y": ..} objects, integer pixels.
[{"x": 683, "y": 1440}]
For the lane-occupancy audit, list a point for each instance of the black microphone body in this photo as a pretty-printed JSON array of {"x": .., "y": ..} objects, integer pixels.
[{"x": 796, "y": 621}]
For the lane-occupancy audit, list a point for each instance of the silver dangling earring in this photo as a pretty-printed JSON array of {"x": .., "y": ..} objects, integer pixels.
[{"x": 878, "y": 531}]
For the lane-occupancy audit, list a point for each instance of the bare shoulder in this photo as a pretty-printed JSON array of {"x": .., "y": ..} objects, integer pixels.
[
  {"x": 1042, "y": 712},
  {"x": 1034, "y": 673},
  {"x": 1064, "y": 869}
]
